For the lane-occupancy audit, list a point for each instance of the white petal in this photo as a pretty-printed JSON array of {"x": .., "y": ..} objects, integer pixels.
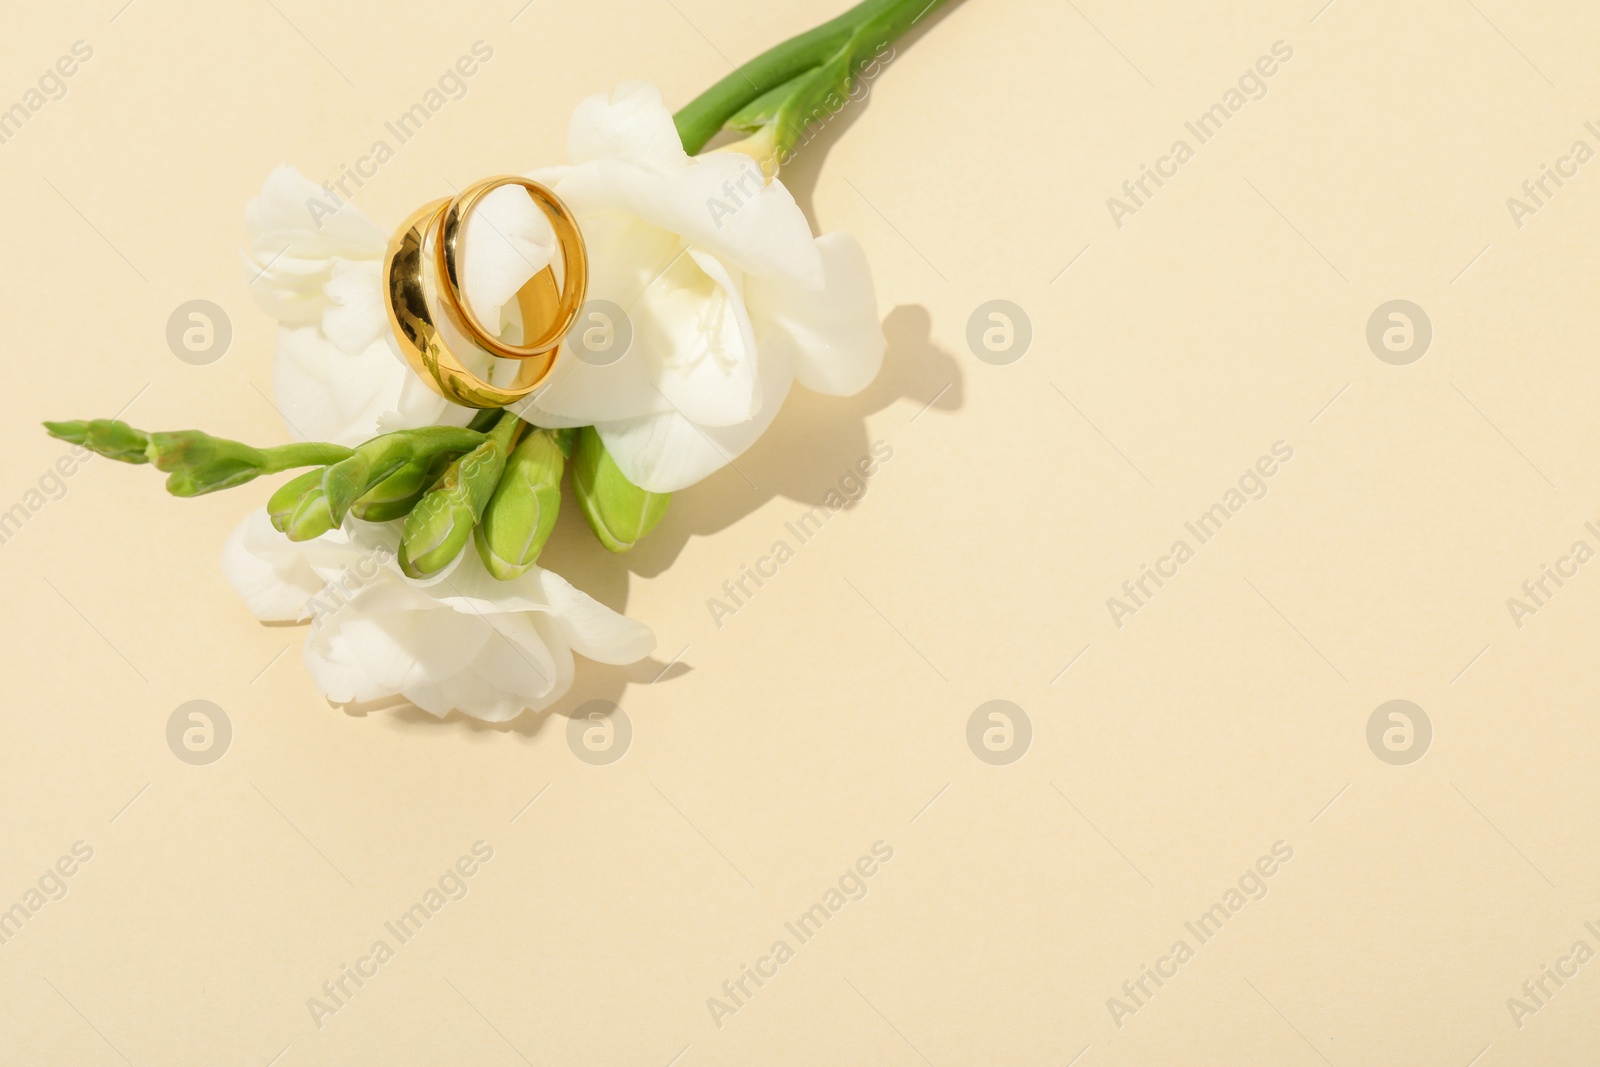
[
  {"x": 356, "y": 314},
  {"x": 833, "y": 337},
  {"x": 666, "y": 452},
  {"x": 295, "y": 233},
  {"x": 467, "y": 642},
  {"x": 700, "y": 337},
  {"x": 291, "y": 208},
  {"x": 632, "y": 120},
  {"x": 506, "y": 241},
  {"x": 327, "y": 394},
  {"x": 693, "y": 346},
  {"x": 531, "y": 411},
  {"x": 626, "y": 257},
  {"x": 594, "y": 630},
  {"x": 521, "y": 661},
  {"x": 274, "y": 581},
  {"x": 301, "y": 373},
  {"x": 337, "y": 674},
  {"x": 716, "y": 202},
  {"x": 419, "y": 405},
  {"x": 282, "y": 580},
  {"x": 527, "y": 666}
]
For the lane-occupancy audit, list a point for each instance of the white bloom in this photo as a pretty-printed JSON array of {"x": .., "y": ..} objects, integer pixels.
[
  {"x": 461, "y": 640},
  {"x": 339, "y": 375},
  {"x": 729, "y": 295}
]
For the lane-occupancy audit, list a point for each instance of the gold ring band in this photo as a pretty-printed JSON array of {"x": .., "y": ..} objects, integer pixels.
[
  {"x": 575, "y": 266},
  {"x": 432, "y": 323}
]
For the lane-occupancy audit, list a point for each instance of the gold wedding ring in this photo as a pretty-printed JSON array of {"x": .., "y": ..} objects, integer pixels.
[{"x": 434, "y": 325}]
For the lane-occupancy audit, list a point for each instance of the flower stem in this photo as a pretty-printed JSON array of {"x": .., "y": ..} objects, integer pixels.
[
  {"x": 197, "y": 462},
  {"x": 302, "y": 454},
  {"x": 839, "y": 43}
]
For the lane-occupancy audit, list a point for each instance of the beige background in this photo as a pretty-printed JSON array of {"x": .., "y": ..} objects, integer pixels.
[{"x": 830, "y": 712}]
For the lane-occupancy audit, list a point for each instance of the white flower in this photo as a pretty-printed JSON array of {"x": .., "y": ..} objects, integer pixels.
[
  {"x": 730, "y": 299},
  {"x": 729, "y": 296},
  {"x": 315, "y": 265},
  {"x": 461, "y": 640}
]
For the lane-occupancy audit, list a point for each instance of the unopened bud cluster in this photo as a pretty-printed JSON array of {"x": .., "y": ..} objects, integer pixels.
[{"x": 496, "y": 484}]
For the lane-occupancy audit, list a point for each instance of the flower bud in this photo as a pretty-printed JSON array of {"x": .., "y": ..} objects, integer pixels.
[
  {"x": 281, "y": 504},
  {"x": 396, "y": 495},
  {"x": 438, "y": 527},
  {"x": 195, "y": 462},
  {"x": 107, "y": 437},
  {"x": 619, "y": 512},
  {"x": 522, "y": 512},
  {"x": 311, "y": 517},
  {"x": 375, "y": 461},
  {"x": 198, "y": 463},
  {"x": 299, "y": 508}
]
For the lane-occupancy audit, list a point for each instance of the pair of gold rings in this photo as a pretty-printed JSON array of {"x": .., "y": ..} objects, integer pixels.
[{"x": 431, "y": 320}]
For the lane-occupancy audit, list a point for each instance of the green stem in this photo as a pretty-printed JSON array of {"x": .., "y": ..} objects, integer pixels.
[
  {"x": 485, "y": 419},
  {"x": 506, "y": 431},
  {"x": 786, "y": 115},
  {"x": 302, "y": 454},
  {"x": 703, "y": 116}
]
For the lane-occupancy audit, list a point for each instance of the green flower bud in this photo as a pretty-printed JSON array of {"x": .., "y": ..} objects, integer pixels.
[
  {"x": 372, "y": 463},
  {"x": 74, "y": 430},
  {"x": 311, "y": 518},
  {"x": 619, "y": 512},
  {"x": 522, "y": 511},
  {"x": 299, "y": 508},
  {"x": 195, "y": 462},
  {"x": 437, "y": 529},
  {"x": 199, "y": 463},
  {"x": 106, "y": 437},
  {"x": 282, "y": 503},
  {"x": 396, "y": 495}
]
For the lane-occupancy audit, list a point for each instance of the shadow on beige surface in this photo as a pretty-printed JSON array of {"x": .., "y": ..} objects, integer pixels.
[{"x": 801, "y": 456}]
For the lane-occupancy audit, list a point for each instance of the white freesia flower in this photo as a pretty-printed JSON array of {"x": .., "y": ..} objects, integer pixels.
[
  {"x": 461, "y": 640},
  {"x": 317, "y": 268},
  {"x": 729, "y": 296}
]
